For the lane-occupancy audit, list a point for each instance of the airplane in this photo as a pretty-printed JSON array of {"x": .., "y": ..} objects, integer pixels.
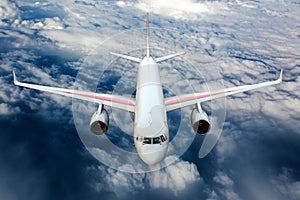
[{"x": 151, "y": 131}]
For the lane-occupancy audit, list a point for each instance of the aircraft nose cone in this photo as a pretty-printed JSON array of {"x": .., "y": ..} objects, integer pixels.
[{"x": 153, "y": 157}]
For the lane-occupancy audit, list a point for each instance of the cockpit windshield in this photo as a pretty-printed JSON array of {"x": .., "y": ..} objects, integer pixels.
[
  {"x": 155, "y": 140},
  {"x": 147, "y": 140}
]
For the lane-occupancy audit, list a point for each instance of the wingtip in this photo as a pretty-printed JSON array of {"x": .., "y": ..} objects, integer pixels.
[
  {"x": 280, "y": 76},
  {"x": 15, "y": 77}
]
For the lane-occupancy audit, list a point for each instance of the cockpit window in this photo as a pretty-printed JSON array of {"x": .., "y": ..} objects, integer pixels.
[
  {"x": 147, "y": 140},
  {"x": 163, "y": 138},
  {"x": 156, "y": 140}
]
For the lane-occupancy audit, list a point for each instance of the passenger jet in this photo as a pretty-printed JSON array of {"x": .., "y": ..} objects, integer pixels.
[{"x": 151, "y": 131}]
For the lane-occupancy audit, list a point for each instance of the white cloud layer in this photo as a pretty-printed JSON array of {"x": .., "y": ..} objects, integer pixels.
[
  {"x": 288, "y": 187},
  {"x": 246, "y": 42},
  {"x": 47, "y": 23},
  {"x": 7, "y": 11},
  {"x": 6, "y": 109},
  {"x": 176, "y": 178},
  {"x": 227, "y": 186},
  {"x": 178, "y": 9}
]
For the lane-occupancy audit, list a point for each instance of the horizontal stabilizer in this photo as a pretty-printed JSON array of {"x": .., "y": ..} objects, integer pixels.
[
  {"x": 168, "y": 57},
  {"x": 138, "y": 60}
]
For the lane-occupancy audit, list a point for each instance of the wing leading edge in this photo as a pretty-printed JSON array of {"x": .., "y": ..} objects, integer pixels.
[
  {"x": 115, "y": 101},
  {"x": 177, "y": 102}
]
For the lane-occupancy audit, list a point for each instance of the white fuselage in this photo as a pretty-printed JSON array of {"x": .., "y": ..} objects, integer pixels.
[{"x": 151, "y": 132}]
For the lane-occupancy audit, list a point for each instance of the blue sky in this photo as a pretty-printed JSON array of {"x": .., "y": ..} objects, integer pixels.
[{"x": 46, "y": 149}]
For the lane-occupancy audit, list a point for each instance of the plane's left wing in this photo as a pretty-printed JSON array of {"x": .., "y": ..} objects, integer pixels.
[
  {"x": 177, "y": 102},
  {"x": 115, "y": 101}
]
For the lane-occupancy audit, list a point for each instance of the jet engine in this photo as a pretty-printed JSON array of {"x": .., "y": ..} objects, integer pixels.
[
  {"x": 199, "y": 121},
  {"x": 99, "y": 122}
]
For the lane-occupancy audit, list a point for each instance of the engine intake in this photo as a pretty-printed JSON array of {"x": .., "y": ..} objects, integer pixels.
[
  {"x": 199, "y": 121},
  {"x": 99, "y": 122}
]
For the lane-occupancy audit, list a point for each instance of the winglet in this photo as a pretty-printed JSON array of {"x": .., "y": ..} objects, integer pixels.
[
  {"x": 280, "y": 76},
  {"x": 15, "y": 78}
]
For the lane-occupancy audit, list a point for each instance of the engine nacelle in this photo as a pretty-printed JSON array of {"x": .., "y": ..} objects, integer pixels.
[
  {"x": 99, "y": 122},
  {"x": 199, "y": 121}
]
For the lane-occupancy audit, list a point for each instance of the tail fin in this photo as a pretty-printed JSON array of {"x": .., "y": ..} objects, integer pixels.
[
  {"x": 147, "y": 36},
  {"x": 148, "y": 48},
  {"x": 138, "y": 60},
  {"x": 134, "y": 59}
]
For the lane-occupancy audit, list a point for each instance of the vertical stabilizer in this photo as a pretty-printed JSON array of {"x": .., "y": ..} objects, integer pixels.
[{"x": 147, "y": 36}]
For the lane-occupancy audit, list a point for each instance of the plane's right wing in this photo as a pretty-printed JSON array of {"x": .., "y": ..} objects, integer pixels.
[{"x": 177, "y": 102}]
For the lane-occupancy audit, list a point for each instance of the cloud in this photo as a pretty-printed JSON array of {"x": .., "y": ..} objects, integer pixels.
[
  {"x": 226, "y": 188},
  {"x": 123, "y": 184},
  {"x": 187, "y": 10},
  {"x": 47, "y": 23},
  {"x": 261, "y": 132},
  {"x": 8, "y": 11},
  {"x": 8, "y": 109},
  {"x": 74, "y": 39},
  {"x": 250, "y": 151},
  {"x": 286, "y": 185},
  {"x": 31, "y": 149},
  {"x": 176, "y": 178}
]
